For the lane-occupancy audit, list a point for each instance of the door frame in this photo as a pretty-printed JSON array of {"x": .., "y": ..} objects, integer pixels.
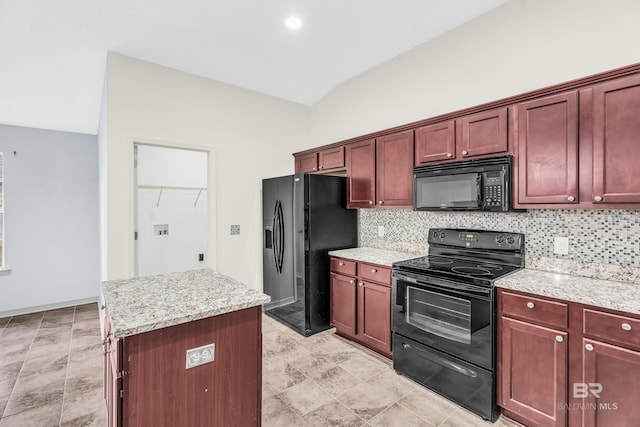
[{"x": 210, "y": 260}]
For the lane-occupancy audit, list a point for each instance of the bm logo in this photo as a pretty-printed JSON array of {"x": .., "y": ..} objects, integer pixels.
[{"x": 582, "y": 390}]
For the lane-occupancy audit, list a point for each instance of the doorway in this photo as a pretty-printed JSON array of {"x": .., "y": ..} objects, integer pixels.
[{"x": 171, "y": 209}]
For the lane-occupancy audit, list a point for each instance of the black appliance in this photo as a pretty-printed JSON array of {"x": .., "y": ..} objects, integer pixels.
[
  {"x": 443, "y": 314},
  {"x": 304, "y": 217},
  {"x": 469, "y": 185}
]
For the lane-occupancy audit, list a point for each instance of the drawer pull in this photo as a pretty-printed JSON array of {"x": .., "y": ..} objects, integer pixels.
[
  {"x": 352, "y": 281},
  {"x": 373, "y": 270},
  {"x": 361, "y": 284},
  {"x": 589, "y": 347},
  {"x": 530, "y": 305},
  {"x": 559, "y": 338},
  {"x": 341, "y": 264},
  {"x": 626, "y": 326}
]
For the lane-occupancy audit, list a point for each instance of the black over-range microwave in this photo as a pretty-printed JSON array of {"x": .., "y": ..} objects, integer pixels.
[{"x": 468, "y": 185}]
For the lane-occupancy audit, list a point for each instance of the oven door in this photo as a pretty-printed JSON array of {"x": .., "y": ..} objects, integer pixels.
[
  {"x": 461, "y": 191},
  {"x": 455, "y": 318}
]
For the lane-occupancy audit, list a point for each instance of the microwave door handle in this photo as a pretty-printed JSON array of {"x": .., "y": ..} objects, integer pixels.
[{"x": 480, "y": 196}]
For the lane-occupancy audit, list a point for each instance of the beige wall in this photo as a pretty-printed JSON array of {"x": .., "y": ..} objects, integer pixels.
[
  {"x": 251, "y": 137},
  {"x": 520, "y": 46}
]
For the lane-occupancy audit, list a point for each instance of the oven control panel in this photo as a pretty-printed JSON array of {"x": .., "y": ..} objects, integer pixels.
[{"x": 476, "y": 239}]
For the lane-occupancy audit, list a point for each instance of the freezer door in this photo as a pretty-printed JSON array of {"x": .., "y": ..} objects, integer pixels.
[{"x": 277, "y": 248}]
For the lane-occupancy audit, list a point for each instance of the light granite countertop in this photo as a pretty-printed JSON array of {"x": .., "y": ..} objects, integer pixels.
[
  {"x": 374, "y": 255},
  {"x": 148, "y": 303},
  {"x": 601, "y": 293}
]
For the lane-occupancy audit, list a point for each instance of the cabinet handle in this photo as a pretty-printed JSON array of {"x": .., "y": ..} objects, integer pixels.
[
  {"x": 313, "y": 169},
  {"x": 530, "y": 305},
  {"x": 626, "y": 326},
  {"x": 321, "y": 167},
  {"x": 571, "y": 198},
  {"x": 559, "y": 338},
  {"x": 370, "y": 202},
  {"x": 352, "y": 281},
  {"x": 598, "y": 198},
  {"x": 465, "y": 152},
  {"x": 589, "y": 347},
  {"x": 341, "y": 264},
  {"x": 380, "y": 202},
  {"x": 449, "y": 155},
  {"x": 361, "y": 284},
  {"x": 373, "y": 270}
]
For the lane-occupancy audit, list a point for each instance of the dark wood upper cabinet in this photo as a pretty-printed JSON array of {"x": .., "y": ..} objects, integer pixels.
[
  {"x": 616, "y": 141},
  {"x": 394, "y": 170},
  {"x": 482, "y": 134},
  {"x": 534, "y": 372},
  {"x": 361, "y": 174},
  {"x": 548, "y": 150},
  {"x": 435, "y": 142},
  {"x": 306, "y": 163},
  {"x": 332, "y": 158}
]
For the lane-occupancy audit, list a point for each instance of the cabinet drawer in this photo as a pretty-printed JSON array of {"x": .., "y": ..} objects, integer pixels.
[
  {"x": 612, "y": 328},
  {"x": 375, "y": 273},
  {"x": 343, "y": 266},
  {"x": 534, "y": 309}
]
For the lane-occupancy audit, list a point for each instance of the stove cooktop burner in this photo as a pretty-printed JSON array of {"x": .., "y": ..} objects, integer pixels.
[{"x": 474, "y": 271}]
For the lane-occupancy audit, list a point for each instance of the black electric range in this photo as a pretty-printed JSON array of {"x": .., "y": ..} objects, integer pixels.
[{"x": 443, "y": 314}]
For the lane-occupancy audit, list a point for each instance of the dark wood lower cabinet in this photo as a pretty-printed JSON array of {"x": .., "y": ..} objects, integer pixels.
[
  {"x": 153, "y": 387},
  {"x": 610, "y": 385},
  {"x": 584, "y": 373},
  {"x": 534, "y": 373},
  {"x": 360, "y": 306}
]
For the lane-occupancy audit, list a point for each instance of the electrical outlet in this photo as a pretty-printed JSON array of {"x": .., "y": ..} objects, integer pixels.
[
  {"x": 200, "y": 355},
  {"x": 235, "y": 229},
  {"x": 160, "y": 230},
  {"x": 381, "y": 231},
  {"x": 561, "y": 245}
]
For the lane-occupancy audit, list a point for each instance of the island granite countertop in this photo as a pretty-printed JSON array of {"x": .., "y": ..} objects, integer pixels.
[
  {"x": 373, "y": 255},
  {"x": 610, "y": 294},
  {"x": 148, "y": 303}
]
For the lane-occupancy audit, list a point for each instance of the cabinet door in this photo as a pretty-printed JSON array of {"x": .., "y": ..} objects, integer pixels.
[
  {"x": 483, "y": 133},
  {"x": 374, "y": 315},
  {"x": 343, "y": 303},
  {"x": 332, "y": 158},
  {"x": 548, "y": 150},
  {"x": 112, "y": 381},
  {"x": 534, "y": 373},
  {"x": 361, "y": 174},
  {"x": 307, "y": 163},
  {"x": 435, "y": 142},
  {"x": 609, "y": 388},
  {"x": 394, "y": 170},
  {"x": 616, "y": 136}
]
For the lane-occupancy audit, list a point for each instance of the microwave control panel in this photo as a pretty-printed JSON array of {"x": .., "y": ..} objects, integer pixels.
[{"x": 493, "y": 188}]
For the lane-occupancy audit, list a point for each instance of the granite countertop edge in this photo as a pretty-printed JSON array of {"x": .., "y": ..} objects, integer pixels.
[
  {"x": 371, "y": 255},
  {"x": 150, "y": 303},
  {"x": 609, "y": 294}
]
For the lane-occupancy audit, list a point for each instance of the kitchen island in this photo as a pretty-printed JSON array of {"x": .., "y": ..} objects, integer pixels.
[{"x": 183, "y": 349}]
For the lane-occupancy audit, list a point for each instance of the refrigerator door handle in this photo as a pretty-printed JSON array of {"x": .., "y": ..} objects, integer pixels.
[{"x": 278, "y": 236}]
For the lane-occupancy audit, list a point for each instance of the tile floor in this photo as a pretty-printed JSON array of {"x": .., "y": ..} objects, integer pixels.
[
  {"x": 51, "y": 375},
  {"x": 51, "y": 369}
]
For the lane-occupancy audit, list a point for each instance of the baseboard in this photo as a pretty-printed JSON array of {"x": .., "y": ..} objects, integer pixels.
[{"x": 46, "y": 307}]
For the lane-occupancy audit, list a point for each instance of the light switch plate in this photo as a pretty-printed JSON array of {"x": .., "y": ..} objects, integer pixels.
[
  {"x": 561, "y": 245},
  {"x": 200, "y": 355},
  {"x": 381, "y": 231},
  {"x": 235, "y": 229}
]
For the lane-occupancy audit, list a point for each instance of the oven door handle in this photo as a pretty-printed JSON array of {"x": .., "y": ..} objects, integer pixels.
[
  {"x": 459, "y": 288},
  {"x": 443, "y": 362}
]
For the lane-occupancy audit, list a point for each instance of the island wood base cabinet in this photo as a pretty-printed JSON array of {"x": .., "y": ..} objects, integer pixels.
[
  {"x": 147, "y": 382},
  {"x": 562, "y": 363}
]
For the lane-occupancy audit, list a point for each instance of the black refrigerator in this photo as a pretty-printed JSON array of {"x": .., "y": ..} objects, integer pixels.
[{"x": 304, "y": 217}]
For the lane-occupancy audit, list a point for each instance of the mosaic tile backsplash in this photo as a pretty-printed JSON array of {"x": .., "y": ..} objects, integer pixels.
[{"x": 595, "y": 236}]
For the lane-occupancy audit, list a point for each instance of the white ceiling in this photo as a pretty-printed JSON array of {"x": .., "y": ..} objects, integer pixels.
[{"x": 53, "y": 53}]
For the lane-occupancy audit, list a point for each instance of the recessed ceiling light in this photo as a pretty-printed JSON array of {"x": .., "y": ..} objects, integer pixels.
[{"x": 293, "y": 23}]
